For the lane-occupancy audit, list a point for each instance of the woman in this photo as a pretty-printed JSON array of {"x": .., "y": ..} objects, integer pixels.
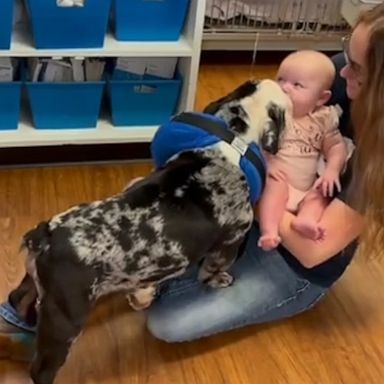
[{"x": 281, "y": 283}]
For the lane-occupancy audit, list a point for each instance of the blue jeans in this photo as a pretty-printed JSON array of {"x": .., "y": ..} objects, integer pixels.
[{"x": 265, "y": 289}]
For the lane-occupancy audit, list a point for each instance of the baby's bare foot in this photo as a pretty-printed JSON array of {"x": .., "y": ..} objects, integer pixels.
[
  {"x": 309, "y": 229},
  {"x": 269, "y": 241}
]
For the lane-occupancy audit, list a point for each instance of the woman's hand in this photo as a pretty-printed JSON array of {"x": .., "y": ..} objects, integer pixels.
[{"x": 342, "y": 225}]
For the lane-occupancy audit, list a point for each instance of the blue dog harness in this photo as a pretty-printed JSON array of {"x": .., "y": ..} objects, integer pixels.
[{"x": 190, "y": 131}]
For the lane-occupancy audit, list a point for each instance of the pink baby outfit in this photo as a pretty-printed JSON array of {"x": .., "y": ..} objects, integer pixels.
[{"x": 305, "y": 139}]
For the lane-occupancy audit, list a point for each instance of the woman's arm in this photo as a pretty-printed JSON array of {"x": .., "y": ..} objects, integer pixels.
[{"x": 342, "y": 225}]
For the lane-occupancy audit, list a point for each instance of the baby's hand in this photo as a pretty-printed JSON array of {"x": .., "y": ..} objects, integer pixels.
[{"x": 327, "y": 181}]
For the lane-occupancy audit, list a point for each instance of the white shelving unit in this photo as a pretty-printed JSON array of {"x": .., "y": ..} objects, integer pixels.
[{"x": 187, "y": 49}]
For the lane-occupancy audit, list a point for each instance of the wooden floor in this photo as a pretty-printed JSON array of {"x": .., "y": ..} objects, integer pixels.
[{"x": 340, "y": 341}]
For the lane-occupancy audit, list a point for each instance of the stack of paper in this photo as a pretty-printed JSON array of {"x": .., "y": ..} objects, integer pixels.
[
  {"x": 70, "y": 3},
  {"x": 128, "y": 68},
  {"x": 66, "y": 69},
  {"x": 8, "y": 69}
]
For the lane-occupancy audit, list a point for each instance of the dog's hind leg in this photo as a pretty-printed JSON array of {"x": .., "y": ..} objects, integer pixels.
[
  {"x": 213, "y": 271},
  {"x": 62, "y": 315}
]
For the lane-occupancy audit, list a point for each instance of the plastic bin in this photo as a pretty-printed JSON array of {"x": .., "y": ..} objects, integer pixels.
[
  {"x": 57, "y": 27},
  {"x": 6, "y": 23},
  {"x": 10, "y": 95},
  {"x": 65, "y": 105},
  {"x": 149, "y": 20},
  {"x": 143, "y": 102}
]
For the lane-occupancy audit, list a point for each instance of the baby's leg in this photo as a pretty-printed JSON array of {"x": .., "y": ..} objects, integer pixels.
[
  {"x": 310, "y": 211},
  {"x": 271, "y": 209}
]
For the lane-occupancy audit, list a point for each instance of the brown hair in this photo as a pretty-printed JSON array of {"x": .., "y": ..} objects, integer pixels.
[{"x": 367, "y": 187}]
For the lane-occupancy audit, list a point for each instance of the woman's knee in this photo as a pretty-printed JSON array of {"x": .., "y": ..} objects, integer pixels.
[
  {"x": 161, "y": 326},
  {"x": 186, "y": 320}
]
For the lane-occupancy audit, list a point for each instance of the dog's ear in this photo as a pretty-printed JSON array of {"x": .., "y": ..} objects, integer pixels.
[
  {"x": 276, "y": 125},
  {"x": 277, "y": 116},
  {"x": 244, "y": 90}
]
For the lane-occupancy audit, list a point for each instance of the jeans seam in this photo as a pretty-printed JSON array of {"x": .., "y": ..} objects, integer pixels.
[
  {"x": 251, "y": 320},
  {"x": 177, "y": 291},
  {"x": 278, "y": 305}
]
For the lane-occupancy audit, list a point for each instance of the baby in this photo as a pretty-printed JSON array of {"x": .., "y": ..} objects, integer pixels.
[{"x": 306, "y": 77}]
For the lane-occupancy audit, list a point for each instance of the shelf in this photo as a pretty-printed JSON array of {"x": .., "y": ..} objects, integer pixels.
[
  {"x": 22, "y": 47},
  {"x": 187, "y": 49},
  {"x": 27, "y": 136}
]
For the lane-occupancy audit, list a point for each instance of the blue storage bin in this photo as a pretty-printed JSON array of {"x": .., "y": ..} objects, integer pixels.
[
  {"x": 143, "y": 102},
  {"x": 65, "y": 105},
  {"x": 150, "y": 20},
  {"x": 10, "y": 94},
  {"x": 6, "y": 21},
  {"x": 57, "y": 27}
]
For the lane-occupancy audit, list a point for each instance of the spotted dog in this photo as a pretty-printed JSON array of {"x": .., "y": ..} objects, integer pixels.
[{"x": 195, "y": 208}]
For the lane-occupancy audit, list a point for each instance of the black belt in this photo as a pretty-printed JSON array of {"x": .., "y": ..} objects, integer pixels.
[{"x": 223, "y": 133}]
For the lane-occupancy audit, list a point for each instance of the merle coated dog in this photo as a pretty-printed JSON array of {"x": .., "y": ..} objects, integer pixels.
[{"x": 195, "y": 208}]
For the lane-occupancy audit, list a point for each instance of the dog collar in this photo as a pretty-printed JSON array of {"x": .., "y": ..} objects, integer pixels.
[{"x": 220, "y": 129}]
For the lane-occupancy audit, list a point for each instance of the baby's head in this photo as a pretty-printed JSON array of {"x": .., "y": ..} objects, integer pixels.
[{"x": 306, "y": 77}]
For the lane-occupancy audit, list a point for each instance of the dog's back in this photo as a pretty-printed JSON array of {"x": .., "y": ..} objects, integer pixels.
[{"x": 152, "y": 231}]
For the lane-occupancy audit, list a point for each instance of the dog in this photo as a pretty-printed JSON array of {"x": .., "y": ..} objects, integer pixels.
[{"x": 195, "y": 208}]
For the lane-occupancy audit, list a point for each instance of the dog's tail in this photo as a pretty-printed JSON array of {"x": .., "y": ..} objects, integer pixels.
[{"x": 37, "y": 239}]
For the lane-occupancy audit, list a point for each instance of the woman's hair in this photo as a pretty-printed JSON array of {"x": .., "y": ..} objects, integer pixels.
[{"x": 367, "y": 187}]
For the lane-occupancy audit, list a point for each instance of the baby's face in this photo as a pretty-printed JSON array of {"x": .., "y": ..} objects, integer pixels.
[{"x": 303, "y": 83}]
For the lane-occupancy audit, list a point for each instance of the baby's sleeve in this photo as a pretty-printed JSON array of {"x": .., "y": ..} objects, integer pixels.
[{"x": 330, "y": 121}]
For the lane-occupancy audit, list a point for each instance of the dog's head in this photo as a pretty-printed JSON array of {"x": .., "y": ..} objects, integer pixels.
[{"x": 256, "y": 110}]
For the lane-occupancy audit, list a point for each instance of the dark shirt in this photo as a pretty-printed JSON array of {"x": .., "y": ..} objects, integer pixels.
[{"x": 328, "y": 272}]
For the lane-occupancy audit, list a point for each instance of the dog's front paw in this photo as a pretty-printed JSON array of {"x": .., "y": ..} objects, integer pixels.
[
  {"x": 141, "y": 298},
  {"x": 220, "y": 280}
]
